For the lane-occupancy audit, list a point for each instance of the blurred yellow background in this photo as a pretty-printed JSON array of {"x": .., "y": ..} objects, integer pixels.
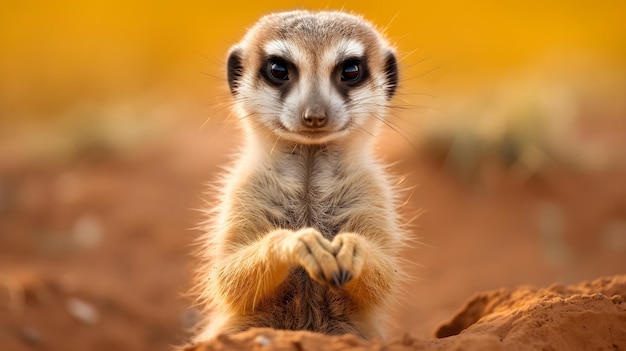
[
  {"x": 56, "y": 55},
  {"x": 116, "y": 70},
  {"x": 529, "y": 85}
]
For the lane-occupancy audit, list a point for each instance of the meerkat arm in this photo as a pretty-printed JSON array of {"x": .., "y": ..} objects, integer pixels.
[
  {"x": 367, "y": 271},
  {"x": 252, "y": 272}
]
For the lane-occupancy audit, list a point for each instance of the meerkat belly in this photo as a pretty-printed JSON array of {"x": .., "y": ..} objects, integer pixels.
[{"x": 302, "y": 304}]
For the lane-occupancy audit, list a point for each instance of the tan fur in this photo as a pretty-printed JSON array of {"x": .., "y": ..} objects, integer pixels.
[{"x": 295, "y": 215}]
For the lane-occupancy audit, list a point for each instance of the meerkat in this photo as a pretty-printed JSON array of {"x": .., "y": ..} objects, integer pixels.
[{"x": 306, "y": 230}]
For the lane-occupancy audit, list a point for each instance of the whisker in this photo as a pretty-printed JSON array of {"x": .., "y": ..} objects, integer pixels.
[{"x": 275, "y": 143}]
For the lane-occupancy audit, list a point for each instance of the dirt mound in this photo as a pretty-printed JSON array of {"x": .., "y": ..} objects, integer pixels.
[{"x": 587, "y": 316}]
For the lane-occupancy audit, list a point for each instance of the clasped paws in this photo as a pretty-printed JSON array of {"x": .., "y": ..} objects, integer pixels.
[{"x": 331, "y": 263}]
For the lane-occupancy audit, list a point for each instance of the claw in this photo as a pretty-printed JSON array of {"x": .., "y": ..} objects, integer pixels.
[
  {"x": 341, "y": 278},
  {"x": 347, "y": 276},
  {"x": 344, "y": 277},
  {"x": 337, "y": 279}
]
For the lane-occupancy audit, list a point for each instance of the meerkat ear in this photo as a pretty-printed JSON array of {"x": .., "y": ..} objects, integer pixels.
[
  {"x": 234, "y": 69},
  {"x": 391, "y": 70}
]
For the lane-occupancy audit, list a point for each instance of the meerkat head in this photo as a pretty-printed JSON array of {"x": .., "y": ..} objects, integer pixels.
[{"x": 312, "y": 77}]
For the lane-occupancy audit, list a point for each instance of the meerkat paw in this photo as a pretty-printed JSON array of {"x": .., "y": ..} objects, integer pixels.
[
  {"x": 315, "y": 253},
  {"x": 349, "y": 255}
]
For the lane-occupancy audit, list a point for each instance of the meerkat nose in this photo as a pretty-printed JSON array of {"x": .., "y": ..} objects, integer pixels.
[{"x": 314, "y": 117}]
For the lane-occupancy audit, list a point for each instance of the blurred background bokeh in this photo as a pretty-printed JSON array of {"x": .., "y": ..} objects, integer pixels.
[{"x": 510, "y": 126}]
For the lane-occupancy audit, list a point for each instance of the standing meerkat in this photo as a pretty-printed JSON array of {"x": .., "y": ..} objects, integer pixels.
[{"x": 306, "y": 232}]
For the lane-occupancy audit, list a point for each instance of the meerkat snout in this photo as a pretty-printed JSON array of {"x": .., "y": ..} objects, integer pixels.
[{"x": 314, "y": 117}]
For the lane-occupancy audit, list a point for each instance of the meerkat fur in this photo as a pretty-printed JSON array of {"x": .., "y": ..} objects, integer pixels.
[{"x": 305, "y": 233}]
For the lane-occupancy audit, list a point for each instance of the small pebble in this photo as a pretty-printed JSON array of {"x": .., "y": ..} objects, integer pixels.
[
  {"x": 262, "y": 340},
  {"x": 83, "y": 311}
]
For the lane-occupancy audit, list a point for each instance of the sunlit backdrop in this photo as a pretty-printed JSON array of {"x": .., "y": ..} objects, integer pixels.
[{"x": 107, "y": 62}]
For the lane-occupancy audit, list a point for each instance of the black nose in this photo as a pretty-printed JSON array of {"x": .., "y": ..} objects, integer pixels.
[{"x": 314, "y": 117}]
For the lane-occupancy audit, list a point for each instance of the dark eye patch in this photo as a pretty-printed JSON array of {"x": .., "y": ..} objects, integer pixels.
[
  {"x": 277, "y": 70},
  {"x": 279, "y": 73},
  {"x": 349, "y": 74},
  {"x": 351, "y": 71}
]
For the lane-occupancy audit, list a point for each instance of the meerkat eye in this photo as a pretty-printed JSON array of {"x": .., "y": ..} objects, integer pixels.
[
  {"x": 278, "y": 71},
  {"x": 351, "y": 72}
]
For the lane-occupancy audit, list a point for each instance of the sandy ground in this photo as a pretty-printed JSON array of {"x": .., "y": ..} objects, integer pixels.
[
  {"x": 588, "y": 316},
  {"x": 94, "y": 250}
]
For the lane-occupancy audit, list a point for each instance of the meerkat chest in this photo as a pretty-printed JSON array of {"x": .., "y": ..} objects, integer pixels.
[{"x": 312, "y": 189}]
